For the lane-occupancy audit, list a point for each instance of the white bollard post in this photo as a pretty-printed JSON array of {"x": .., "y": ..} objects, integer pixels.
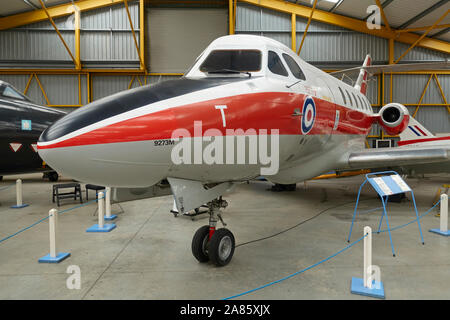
[
  {"x": 108, "y": 215},
  {"x": 444, "y": 213},
  {"x": 52, "y": 228},
  {"x": 101, "y": 209},
  {"x": 367, "y": 257},
  {"x": 19, "y": 192},
  {"x": 108, "y": 202},
  {"x": 19, "y": 198},
  {"x": 443, "y": 230},
  {"x": 101, "y": 226},
  {"x": 53, "y": 256},
  {"x": 365, "y": 286}
]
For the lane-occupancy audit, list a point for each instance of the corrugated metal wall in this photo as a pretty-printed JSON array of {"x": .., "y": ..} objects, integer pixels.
[
  {"x": 324, "y": 45},
  {"x": 104, "y": 85},
  {"x": 106, "y": 38}
]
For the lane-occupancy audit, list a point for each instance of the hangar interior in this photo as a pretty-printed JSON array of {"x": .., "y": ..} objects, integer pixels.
[{"x": 65, "y": 57}]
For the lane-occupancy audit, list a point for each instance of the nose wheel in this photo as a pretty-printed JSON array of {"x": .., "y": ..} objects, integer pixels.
[{"x": 209, "y": 244}]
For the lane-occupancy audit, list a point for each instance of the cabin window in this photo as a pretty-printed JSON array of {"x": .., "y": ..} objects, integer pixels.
[
  {"x": 293, "y": 66},
  {"x": 356, "y": 101},
  {"x": 275, "y": 65},
  {"x": 364, "y": 103},
  {"x": 361, "y": 102},
  {"x": 349, "y": 98},
  {"x": 369, "y": 107},
  {"x": 222, "y": 61},
  {"x": 343, "y": 95}
]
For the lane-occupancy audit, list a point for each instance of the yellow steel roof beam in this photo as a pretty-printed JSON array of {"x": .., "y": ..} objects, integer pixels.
[
  {"x": 307, "y": 27},
  {"x": 423, "y": 36},
  {"x": 386, "y": 22},
  {"x": 350, "y": 23},
  {"x": 59, "y": 34},
  {"x": 141, "y": 58},
  {"x": 441, "y": 26},
  {"x": 55, "y": 11}
]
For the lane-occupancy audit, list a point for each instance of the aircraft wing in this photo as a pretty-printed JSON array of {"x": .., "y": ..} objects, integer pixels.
[
  {"x": 399, "y": 156},
  {"x": 374, "y": 69}
]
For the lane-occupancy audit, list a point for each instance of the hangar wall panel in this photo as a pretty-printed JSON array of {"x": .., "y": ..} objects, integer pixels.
[
  {"x": 418, "y": 54},
  {"x": 60, "y": 89},
  {"x": 408, "y": 89},
  {"x": 175, "y": 37},
  {"x": 106, "y": 37},
  {"x": 103, "y": 86},
  {"x": 324, "y": 45}
]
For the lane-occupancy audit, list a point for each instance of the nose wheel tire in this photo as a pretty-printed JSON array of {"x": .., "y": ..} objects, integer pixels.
[
  {"x": 200, "y": 244},
  {"x": 221, "y": 247}
]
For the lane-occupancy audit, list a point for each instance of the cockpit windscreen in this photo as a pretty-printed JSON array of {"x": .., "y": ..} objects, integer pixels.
[
  {"x": 232, "y": 60},
  {"x": 12, "y": 93}
]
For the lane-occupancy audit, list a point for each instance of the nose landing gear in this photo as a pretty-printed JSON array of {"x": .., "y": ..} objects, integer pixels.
[{"x": 209, "y": 244}]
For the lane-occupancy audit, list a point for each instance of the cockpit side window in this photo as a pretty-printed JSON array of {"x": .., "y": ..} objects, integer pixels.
[
  {"x": 293, "y": 66},
  {"x": 11, "y": 93},
  {"x": 232, "y": 60},
  {"x": 275, "y": 65}
]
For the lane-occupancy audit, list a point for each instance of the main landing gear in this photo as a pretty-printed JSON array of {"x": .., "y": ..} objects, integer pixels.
[{"x": 211, "y": 244}]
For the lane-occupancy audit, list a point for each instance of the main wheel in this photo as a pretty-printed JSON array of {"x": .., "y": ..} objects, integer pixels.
[
  {"x": 53, "y": 176},
  {"x": 200, "y": 244},
  {"x": 221, "y": 247}
]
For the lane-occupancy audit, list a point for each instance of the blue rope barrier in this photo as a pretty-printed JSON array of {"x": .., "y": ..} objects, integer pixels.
[
  {"x": 326, "y": 259},
  {"x": 420, "y": 217},
  {"x": 43, "y": 219},
  {"x": 24, "y": 229},
  {"x": 298, "y": 272}
]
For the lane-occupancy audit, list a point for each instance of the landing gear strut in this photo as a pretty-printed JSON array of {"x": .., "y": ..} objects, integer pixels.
[{"x": 211, "y": 244}]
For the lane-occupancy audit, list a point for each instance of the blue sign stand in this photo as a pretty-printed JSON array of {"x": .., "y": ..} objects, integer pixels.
[{"x": 386, "y": 183}]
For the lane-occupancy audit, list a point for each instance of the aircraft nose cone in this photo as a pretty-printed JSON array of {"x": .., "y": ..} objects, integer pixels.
[
  {"x": 112, "y": 140},
  {"x": 106, "y": 143}
]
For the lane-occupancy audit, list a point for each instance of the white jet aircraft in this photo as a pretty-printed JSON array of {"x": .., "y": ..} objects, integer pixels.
[{"x": 248, "y": 106}]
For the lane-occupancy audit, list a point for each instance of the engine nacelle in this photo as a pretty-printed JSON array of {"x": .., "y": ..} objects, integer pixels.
[{"x": 394, "y": 118}]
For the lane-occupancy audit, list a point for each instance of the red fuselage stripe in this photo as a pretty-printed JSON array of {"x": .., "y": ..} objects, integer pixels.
[{"x": 258, "y": 111}]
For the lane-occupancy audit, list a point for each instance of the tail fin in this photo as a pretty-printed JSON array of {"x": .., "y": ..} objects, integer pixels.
[
  {"x": 361, "y": 83},
  {"x": 414, "y": 133}
]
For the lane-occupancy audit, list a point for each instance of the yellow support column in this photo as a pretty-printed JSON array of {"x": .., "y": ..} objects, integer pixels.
[
  {"x": 391, "y": 51},
  {"x": 77, "y": 39},
  {"x": 139, "y": 52},
  {"x": 307, "y": 27},
  {"x": 293, "y": 32},
  {"x": 230, "y": 17},
  {"x": 142, "y": 32}
]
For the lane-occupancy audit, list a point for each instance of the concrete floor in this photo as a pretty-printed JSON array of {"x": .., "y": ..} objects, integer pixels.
[{"x": 148, "y": 255}]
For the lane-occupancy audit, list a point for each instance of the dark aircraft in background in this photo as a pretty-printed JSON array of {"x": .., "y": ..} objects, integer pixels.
[{"x": 21, "y": 124}]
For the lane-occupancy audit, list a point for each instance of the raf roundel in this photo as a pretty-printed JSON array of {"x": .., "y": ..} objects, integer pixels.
[{"x": 309, "y": 115}]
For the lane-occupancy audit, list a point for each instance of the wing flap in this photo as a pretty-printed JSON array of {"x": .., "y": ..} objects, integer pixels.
[{"x": 376, "y": 158}]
